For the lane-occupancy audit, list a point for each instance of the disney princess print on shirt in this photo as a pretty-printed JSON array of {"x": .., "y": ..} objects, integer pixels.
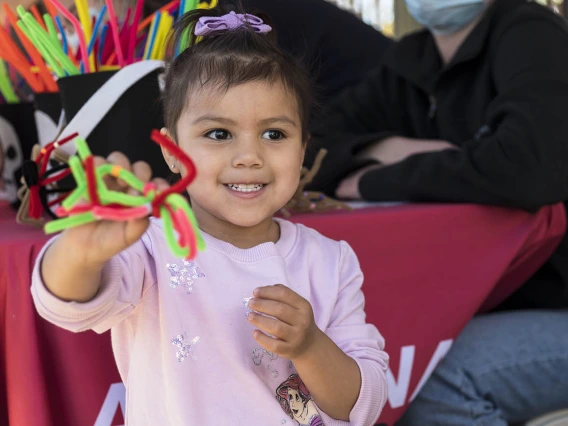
[{"x": 296, "y": 401}]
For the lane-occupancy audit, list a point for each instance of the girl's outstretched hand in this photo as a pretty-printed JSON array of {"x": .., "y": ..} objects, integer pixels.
[
  {"x": 99, "y": 241},
  {"x": 71, "y": 266}
]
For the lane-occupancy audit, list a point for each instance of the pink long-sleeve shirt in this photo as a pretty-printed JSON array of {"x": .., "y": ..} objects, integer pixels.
[{"x": 184, "y": 347}]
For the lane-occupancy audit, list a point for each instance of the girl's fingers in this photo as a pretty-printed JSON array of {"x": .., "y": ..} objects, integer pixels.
[
  {"x": 282, "y": 311},
  {"x": 98, "y": 161},
  {"x": 271, "y": 326},
  {"x": 119, "y": 159},
  {"x": 270, "y": 344},
  {"x": 142, "y": 171},
  {"x": 161, "y": 184}
]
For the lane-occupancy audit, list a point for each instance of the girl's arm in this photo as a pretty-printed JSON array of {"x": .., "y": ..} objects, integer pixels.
[
  {"x": 344, "y": 366},
  {"x": 333, "y": 378},
  {"x": 62, "y": 264},
  {"x": 120, "y": 285},
  {"x": 92, "y": 275}
]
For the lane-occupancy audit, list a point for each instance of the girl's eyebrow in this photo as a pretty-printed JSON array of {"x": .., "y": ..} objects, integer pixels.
[
  {"x": 215, "y": 118},
  {"x": 279, "y": 119},
  {"x": 224, "y": 120}
]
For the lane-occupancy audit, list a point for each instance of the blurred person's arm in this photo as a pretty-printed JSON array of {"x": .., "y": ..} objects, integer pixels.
[{"x": 520, "y": 162}]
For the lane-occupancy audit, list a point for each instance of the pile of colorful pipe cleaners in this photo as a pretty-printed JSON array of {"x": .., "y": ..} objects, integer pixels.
[
  {"x": 91, "y": 200},
  {"x": 105, "y": 43}
]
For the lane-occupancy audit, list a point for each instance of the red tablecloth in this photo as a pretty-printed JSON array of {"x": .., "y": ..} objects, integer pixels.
[{"x": 428, "y": 269}]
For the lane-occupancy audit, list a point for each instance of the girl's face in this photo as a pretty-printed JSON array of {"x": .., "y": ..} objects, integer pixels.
[{"x": 247, "y": 147}]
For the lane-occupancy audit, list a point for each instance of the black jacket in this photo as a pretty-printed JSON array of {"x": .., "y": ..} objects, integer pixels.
[
  {"x": 336, "y": 47},
  {"x": 502, "y": 100}
]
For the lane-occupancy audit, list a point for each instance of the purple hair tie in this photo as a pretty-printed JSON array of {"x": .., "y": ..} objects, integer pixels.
[{"x": 230, "y": 22}]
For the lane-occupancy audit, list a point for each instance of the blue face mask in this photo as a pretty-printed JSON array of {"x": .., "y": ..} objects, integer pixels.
[{"x": 445, "y": 16}]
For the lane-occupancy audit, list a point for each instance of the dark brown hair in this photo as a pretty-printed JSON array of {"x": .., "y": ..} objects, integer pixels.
[{"x": 225, "y": 59}]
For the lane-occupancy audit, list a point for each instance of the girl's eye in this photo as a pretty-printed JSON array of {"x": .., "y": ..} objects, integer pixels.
[
  {"x": 273, "y": 135},
  {"x": 218, "y": 135}
]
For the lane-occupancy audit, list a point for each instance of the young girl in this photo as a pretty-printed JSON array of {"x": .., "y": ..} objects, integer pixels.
[{"x": 189, "y": 351}]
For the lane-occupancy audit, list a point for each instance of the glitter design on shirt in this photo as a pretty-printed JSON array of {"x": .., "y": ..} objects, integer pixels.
[
  {"x": 258, "y": 355},
  {"x": 184, "y": 275},
  {"x": 185, "y": 348},
  {"x": 246, "y": 301}
]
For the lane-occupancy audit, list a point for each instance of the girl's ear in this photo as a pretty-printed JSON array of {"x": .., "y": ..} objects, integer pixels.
[{"x": 171, "y": 161}]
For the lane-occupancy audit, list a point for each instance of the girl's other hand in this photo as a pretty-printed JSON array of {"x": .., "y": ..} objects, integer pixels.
[{"x": 287, "y": 317}]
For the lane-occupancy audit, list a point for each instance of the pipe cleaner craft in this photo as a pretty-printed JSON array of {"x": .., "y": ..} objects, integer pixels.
[{"x": 91, "y": 200}]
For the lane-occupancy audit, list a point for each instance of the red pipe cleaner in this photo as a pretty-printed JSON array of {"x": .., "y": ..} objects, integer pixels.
[
  {"x": 57, "y": 200},
  {"x": 184, "y": 182},
  {"x": 55, "y": 178},
  {"x": 89, "y": 164}
]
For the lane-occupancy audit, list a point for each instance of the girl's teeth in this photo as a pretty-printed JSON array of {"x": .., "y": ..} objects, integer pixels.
[{"x": 245, "y": 188}]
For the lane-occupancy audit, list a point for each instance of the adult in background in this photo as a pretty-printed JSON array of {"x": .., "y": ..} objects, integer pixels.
[
  {"x": 334, "y": 45},
  {"x": 471, "y": 110}
]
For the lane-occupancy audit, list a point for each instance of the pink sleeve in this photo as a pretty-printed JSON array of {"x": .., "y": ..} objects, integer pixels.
[
  {"x": 359, "y": 340},
  {"x": 125, "y": 278}
]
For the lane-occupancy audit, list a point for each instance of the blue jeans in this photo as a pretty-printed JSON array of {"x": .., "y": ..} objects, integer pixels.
[{"x": 504, "y": 368}]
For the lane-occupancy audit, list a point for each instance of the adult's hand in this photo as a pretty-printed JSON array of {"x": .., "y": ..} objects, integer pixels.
[
  {"x": 397, "y": 148},
  {"x": 348, "y": 189},
  {"x": 388, "y": 151}
]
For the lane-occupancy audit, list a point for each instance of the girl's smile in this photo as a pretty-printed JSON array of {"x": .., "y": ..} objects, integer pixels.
[{"x": 246, "y": 191}]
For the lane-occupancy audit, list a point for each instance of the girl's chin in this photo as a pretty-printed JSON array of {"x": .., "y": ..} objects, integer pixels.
[{"x": 248, "y": 222}]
